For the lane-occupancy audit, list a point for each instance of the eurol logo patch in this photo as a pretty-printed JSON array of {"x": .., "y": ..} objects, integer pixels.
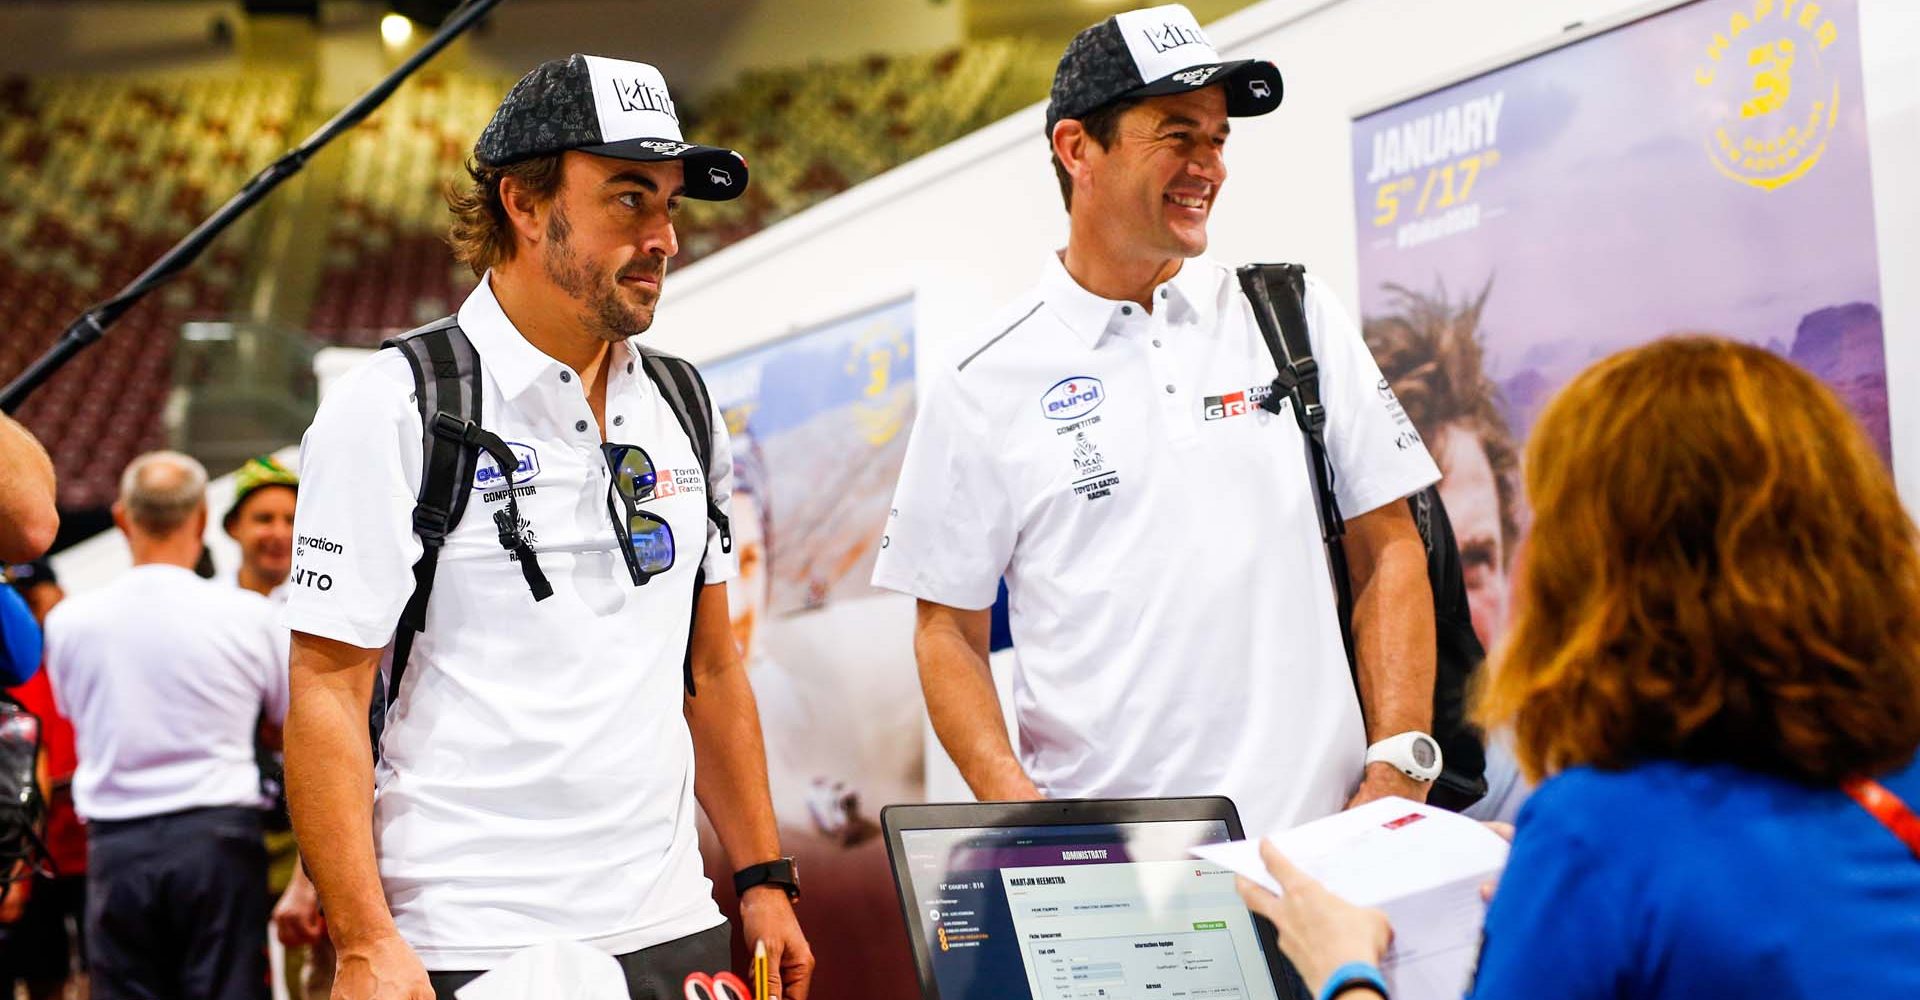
[
  {"x": 487, "y": 474},
  {"x": 1073, "y": 398}
]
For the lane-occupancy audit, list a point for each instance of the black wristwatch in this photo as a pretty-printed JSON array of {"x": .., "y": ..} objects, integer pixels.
[{"x": 784, "y": 873}]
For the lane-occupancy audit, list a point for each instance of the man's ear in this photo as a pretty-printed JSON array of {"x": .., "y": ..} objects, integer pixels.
[
  {"x": 1071, "y": 143},
  {"x": 120, "y": 519},
  {"x": 525, "y": 212}
]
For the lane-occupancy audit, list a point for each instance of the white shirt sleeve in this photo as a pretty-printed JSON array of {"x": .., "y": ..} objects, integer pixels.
[
  {"x": 280, "y": 645},
  {"x": 950, "y": 533},
  {"x": 720, "y": 565},
  {"x": 354, "y": 545},
  {"x": 1377, "y": 455}
]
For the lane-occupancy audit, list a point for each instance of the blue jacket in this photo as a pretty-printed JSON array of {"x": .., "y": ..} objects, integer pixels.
[{"x": 1670, "y": 881}]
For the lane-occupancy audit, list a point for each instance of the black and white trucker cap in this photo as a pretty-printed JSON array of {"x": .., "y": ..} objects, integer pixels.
[
  {"x": 1146, "y": 53},
  {"x": 609, "y": 107}
]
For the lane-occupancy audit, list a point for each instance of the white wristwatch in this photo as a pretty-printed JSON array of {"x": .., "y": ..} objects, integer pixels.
[{"x": 1414, "y": 753}]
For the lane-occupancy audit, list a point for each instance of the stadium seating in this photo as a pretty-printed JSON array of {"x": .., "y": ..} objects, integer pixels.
[
  {"x": 808, "y": 133},
  {"x": 386, "y": 265},
  {"x": 102, "y": 175}
]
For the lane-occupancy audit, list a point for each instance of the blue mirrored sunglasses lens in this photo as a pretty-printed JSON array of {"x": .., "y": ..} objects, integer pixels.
[
  {"x": 635, "y": 478},
  {"x": 652, "y": 544}
]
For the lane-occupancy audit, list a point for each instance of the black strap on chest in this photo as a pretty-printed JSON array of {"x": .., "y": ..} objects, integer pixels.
[
  {"x": 1278, "y": 292},
  {"x": 446, "y": 384},
  {"x": 680, "y": 384}
]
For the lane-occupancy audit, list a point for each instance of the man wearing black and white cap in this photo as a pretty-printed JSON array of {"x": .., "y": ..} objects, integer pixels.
[
  {"x": 1097, "y": 446},
  {"x": 536, "y": 775}
]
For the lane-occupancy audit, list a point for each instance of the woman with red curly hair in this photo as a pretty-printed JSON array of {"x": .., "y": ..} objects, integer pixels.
[{"x": 1715, "y": 666}]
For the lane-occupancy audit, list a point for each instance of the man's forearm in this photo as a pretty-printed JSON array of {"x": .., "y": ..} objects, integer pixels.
[
  {"x": 1393, "y": 628},
  {"x": 730, "y": 767},
  {"x": 951, "y": 648},
  {"x": 730, "y": 758},
  {"x": 330, "y": 797}
]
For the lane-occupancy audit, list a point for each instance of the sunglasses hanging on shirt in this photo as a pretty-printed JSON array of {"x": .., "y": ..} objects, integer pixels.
[{"x": 646, "y": 541}]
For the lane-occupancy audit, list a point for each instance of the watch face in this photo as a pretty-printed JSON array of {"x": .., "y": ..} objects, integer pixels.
[{"x": 1425, "y": 753}]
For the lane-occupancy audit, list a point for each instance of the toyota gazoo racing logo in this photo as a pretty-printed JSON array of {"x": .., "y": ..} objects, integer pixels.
[
  {"x": 1234, "y": 404},
  {"x": 1073, "y": 398},
  {"x": 488, "y": 474},
  {"x": 666, "y": 147}
]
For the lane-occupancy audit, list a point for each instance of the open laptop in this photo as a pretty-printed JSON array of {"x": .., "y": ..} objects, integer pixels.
[{"x": 1077, "y": 900}]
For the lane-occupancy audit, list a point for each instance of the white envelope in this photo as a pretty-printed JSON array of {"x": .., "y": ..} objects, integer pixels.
[
  {"x": 556, "y": 969},
  {"x": 1423, "y": 866}
]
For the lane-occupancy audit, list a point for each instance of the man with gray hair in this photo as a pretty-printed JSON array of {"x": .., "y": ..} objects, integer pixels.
[{"x": 166, "y": 678}]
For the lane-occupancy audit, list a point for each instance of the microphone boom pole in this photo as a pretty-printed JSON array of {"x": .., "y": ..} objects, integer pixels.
[{"x": 93, "y": 323}]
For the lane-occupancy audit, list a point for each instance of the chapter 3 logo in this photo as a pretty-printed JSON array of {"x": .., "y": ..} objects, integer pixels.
[{"x": 1073, "y": 398}]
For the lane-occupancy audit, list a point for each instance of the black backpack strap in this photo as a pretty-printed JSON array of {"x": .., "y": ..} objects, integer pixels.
[
  {"x": 446, "y": 385},
  {"x": 1278, "y": 293},
  {"x": 1457, "y": 656},
  {"x": 686, "y": 394}
]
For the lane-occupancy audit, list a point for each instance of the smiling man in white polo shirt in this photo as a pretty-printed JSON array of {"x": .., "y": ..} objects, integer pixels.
[
  {"x": 1098, "y": 446},
  {"x": 536, "y": 777}
]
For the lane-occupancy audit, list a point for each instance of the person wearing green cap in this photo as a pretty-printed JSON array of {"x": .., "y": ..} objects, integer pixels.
[{"x": 261, "y": 521}]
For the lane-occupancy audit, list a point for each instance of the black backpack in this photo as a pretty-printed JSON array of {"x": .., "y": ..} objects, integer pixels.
[
  {"x": 1278, "y": 294},
  {"x": 446, "y": 381}
]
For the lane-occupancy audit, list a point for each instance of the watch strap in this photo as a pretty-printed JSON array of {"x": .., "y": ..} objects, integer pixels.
[
  {"x": 782, "y": 872},
  {"x": 1398, "y": 751},
  {"x": 1354, "y": 976}
]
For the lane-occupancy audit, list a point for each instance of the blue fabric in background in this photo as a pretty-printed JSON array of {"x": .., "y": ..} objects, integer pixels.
[
  {"x": 1686, "y": 881},
  {"x": 20, "y": 634}
]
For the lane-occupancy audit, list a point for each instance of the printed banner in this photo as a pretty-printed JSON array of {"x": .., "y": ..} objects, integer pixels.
[
  {"x": 819, "y": 424},
  {"x": 1700, "y": 170}
]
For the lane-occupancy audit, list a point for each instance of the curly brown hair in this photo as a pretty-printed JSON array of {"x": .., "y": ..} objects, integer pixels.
[
  {"x": 1430, "y": 350},
  {"x": 1719, "y": 570},
  {"x": 481, "y": 235}
]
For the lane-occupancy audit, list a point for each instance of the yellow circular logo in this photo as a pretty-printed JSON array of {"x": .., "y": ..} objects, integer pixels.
[{"x": 1775, "y": 99}]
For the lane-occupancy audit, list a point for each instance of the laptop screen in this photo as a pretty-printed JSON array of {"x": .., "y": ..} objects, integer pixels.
[{"x": 1107, "y": 912}]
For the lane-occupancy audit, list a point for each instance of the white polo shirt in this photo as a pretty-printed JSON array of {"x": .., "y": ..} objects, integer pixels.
[
  {"x": 165, "y": 677},
  {"x": 536, "y": 777},
  {"x": 1172, "y": 616}
]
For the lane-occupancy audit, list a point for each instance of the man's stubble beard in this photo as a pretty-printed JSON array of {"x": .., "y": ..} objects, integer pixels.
[{"x": 607, "y": 317}]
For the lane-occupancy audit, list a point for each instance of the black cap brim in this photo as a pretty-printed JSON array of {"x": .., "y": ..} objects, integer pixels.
[
  {"x": 713, "y": 173},
  {"x": 1253, "y": 86}
]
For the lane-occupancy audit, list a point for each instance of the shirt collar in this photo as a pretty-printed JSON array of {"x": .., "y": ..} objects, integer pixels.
[
  {"x": 1191, "y": 296},
  {"x": 515, "y": 364}
]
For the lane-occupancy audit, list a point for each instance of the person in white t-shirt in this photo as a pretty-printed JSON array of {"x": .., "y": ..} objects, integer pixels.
[
  {"x": 1100, "y": 447},
  {"x": 536, "y": 775},
  {"x": 167, "y": 678}
]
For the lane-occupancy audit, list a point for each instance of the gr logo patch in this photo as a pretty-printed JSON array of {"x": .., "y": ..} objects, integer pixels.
[{"x": 1073, "y": 398}]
